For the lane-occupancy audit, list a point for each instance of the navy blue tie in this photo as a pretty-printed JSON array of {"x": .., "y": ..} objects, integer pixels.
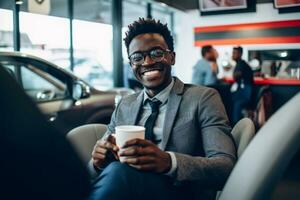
[{"x": 150, "y": 122}]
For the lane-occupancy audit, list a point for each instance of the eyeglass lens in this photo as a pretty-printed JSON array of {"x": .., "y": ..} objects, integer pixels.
[{"x": 155, "y": 54}]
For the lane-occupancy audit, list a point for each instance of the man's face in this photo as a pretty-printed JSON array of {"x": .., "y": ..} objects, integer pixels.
[
  {"x": 154, "y": 75},
  {"x": 236, "y": 55},
  {"x": 212, "y": 55}
]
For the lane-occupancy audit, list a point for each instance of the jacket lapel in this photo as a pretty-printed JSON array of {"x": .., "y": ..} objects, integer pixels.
[
  {"x": 172, "y": 109},
  {"x": 134, "y": 109}
]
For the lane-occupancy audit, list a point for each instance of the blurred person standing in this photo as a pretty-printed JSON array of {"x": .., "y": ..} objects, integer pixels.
[
  {"x": 242, "y": 88},
  {"x": 206, "y": 69}
]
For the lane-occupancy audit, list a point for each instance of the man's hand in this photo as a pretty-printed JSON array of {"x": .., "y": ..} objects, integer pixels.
[
  {"x": 146, "y": 156},
  {"x": 102, "y": 148},
  {"x": 214, "y": 67}
]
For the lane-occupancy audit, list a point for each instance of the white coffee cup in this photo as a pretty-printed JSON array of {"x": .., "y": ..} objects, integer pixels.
[{"x": 128, "y": 132}]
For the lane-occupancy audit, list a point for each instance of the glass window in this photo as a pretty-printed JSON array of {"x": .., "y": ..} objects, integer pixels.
[
  {"x": 162, "y": 13},
  {"x": 6, "y": 30},
  {"x": 41, "y": 85},
  {"x": 46, "y": 36},
  {"x": 92, "y": 33},
  {"x": 93, "y": 53},
  {"x": 93, "y": 11},
  {"x": 10, "y": 69},
  {"x": 132, "y": 11}
]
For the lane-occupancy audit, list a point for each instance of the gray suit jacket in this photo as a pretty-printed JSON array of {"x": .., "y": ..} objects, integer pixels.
[{"x": 196, "y": 129}]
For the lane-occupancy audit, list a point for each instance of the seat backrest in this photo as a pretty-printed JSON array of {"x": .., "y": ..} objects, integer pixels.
[
  {"x": 243, "y": 132},
  {"x": 37, "y": 161},
  {"x": 85, "y": 137},
  {"x": 266, "y": 158}
]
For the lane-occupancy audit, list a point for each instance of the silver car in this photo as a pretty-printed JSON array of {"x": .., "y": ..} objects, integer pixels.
[{"x": 66, "y": 100}]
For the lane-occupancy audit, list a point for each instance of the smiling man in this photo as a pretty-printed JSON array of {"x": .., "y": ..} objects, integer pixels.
[{"x": 188, "y": 151}]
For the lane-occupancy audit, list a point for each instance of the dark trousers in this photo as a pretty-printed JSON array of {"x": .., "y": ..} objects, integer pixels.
[
  {"x": 241, "y": 99},
  {"x": 121, "y": 181}
]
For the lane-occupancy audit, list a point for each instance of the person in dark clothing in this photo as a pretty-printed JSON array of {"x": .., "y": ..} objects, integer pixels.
[
  {"x": 242, "y": 89},
  {"x": 37, "y": 161}
]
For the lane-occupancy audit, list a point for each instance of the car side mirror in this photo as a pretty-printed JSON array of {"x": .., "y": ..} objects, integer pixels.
[
  {"x": 80, "y": 90},
  {"x": 45, "y": 95}
]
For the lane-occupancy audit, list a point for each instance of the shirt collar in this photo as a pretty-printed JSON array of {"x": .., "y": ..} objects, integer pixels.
[{"x": 162, "y": 96}]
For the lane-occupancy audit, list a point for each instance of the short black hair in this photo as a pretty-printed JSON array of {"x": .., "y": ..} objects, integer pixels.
[
  {"x": 143, "y": 25},
  {"x": 205, "y": 49},
  {"x": 239, "y": 49}
]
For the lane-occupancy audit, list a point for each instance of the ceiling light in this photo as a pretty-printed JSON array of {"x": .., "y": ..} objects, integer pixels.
[
  {"x": 283, "y": 54},
  {"x": 163, "y": 4},
  {"x": 19, "y": 2}
]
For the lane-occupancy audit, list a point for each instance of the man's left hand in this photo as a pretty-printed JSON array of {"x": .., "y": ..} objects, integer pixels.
[{"x": 146, "y": 156}]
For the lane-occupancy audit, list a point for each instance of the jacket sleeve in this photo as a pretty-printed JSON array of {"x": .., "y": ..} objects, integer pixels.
[
  {"x": 110, "y": 129},
  {"x": 218, "y": 145}
]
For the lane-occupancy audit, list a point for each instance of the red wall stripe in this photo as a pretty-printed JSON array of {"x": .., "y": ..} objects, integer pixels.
[
  {"x": 269, "y": 81},
  {"x": 263, "y": 40},
  {"x": 264, "y": 25}
]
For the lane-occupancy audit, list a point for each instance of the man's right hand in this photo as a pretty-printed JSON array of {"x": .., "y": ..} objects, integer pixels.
[{"x": 101, "y": 150}]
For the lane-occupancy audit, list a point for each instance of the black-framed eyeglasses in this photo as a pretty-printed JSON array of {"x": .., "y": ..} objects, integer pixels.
[{"x": 156, "y": 55}]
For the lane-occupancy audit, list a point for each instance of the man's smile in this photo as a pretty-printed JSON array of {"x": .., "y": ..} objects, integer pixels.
[
  {"x": 152, "y": 74},
  {"x": 150, "y": 70}
]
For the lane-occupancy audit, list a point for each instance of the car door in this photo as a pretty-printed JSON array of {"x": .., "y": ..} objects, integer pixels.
[{"x": 50, "y": 90}]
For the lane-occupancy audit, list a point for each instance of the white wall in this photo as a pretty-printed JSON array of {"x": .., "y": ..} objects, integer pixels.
[{"x": 188, "y": 54}]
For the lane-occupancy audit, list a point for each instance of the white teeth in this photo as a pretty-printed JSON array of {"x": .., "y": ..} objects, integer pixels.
[{"x": 151, "y": 73}]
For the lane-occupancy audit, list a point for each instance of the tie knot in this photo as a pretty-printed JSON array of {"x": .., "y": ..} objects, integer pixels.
[{"x": 154, "y": 104}]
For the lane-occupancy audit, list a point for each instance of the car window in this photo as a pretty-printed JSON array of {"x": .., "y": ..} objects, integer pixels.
[
  {"x": 10, "y": 69},
  {"x": 41, "y": 85},
  {"x": 38, "y": 84}
]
